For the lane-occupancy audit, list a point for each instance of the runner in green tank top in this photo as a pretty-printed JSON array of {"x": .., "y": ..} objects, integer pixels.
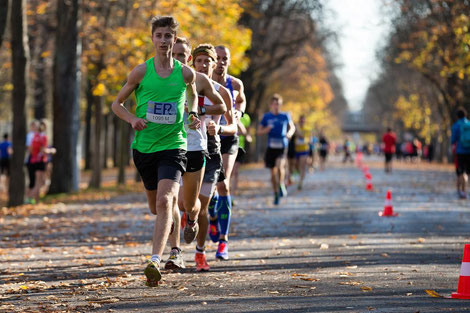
[{"x": 160, "y": 142}]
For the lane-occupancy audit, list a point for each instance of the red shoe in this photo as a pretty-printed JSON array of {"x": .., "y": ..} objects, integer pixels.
[{"x": 201, "y": 264}]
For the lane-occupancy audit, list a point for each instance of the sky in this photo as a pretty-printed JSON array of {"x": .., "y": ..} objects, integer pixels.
[{"x": 361, "y": 28}]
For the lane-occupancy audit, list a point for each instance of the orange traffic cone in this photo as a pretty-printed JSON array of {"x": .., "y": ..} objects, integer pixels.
[
  {"x": 369, "y": 185},
  {"x": 463, "y": 290},
  {"x": 388, "y": 207}
]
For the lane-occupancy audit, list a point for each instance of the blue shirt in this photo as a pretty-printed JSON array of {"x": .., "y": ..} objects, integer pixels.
[
  {"x": 277, "y": 136},
  {"x": 4, "y": 150},
  {"x": 456, "y": 137}
]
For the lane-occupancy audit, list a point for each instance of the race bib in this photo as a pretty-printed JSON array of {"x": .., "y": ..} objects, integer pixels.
[
  {"x": 276, "y": 143},
  {"x": 300, "y": 141},
  {"x": 161, "y": 112}
]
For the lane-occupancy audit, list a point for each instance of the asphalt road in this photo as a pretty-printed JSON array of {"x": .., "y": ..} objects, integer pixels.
[{"x": 323, "y": 249}]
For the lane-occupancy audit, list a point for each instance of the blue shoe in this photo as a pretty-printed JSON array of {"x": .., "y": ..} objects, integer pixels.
[
  {"x": 282, "y": 190},
  {"x": 214, "y": 231},
  {"x": 222, "y": 251},
  {"x": 276, "y": 199}
]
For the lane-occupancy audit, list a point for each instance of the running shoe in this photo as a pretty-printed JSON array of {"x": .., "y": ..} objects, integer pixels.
[
  {"x": 175, "y": 261},
  {"x": 152, "y": 272},
  {"x": 222, "y": 251},
  {"x": 214, "y": 232},
  {"x": 462, "y": 195},
  {"x": 276, "y": 199},
  {"x": 282, "y": 190},
  {"x": 190, "y": 231},
  {"x": 201, "y": 264}
]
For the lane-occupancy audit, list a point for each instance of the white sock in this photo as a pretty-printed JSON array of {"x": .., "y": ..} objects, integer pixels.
[
  {"x": 155, "y": 258},
  {"x": 201, "y": 249}
]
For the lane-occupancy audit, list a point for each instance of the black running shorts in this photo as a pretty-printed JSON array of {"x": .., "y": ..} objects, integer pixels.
[
  {"x": 463, "y": 161},
  {"x": 153, "y": 167},
  {"x": 229, "y": 145},
  {"x": 272, "y": 155},
  {"x": 196, "y": 161}
]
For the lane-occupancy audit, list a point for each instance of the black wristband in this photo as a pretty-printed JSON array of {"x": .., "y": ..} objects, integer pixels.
[{"x": 194, "y": 114}]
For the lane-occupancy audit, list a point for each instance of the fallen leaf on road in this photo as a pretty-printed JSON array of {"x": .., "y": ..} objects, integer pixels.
[
  {"x": 131, "y": 244},
  {"x": 181, "y": 288},
  {"x": 298, "y": 275},
  {"x": 385, "y": 255},
  {"x": 351, "y": 283},
  {"x": 421, "y": 240},
  {"x": 365, "y": 288},
  {"x": 353, "y": 237},
  {"x": 345, "y": 274},
  {"x": 324, "y": 246},
  {"x": 273, "y": 292},
  {"x": 433, "y": 294},
  {"x": 351, "y": 266},
  {"x": 310, "y": 279}
]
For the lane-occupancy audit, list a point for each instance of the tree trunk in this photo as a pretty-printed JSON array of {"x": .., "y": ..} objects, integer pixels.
[
  {"x": 88, "y": 116},
  {"x": 117, "y": 138},
  {"x": 106, "y": 141},
  {"x": 4, "y": 8},
  {"x": 19, "y": 46},
  {"x": 95, "y": 181},
  {"x": 40, "y": 90},
  {"x": 65, "y": 174}
]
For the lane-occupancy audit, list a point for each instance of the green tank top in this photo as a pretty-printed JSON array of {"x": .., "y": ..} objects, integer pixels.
[{"x": 160, "y": 101}]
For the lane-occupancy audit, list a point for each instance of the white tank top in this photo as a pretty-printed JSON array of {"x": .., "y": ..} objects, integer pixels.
[{"x": 196, "y": 138}]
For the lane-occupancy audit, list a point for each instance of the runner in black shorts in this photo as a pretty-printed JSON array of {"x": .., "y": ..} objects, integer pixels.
[
  {"x": 204, "y": 57},
  {"x": 279, "y": 127},
  {"x": 160, "y": 142}
]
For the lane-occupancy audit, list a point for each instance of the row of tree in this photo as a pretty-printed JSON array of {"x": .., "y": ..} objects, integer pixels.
[
  {"x": 425, "y": 70},
  {"x": 70, "y": 57}
]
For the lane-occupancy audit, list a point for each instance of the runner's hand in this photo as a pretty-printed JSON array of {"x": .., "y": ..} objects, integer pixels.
[
  {"x": 212, "y": 128},
  {"x": 248, "y": 138},
  {"x": 238, "y": 115},
  {"x": 194, "y": 122},
  {"x": 138, "y": 123}
]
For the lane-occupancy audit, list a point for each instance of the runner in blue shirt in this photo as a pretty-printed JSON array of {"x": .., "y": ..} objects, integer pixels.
[
  {"x": 280, "y": 128},
  {"x": 463, "y": 152}
]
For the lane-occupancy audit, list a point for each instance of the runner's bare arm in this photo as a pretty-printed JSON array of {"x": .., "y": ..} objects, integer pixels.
[
  {"x": 190, "y": 79},
  {"x": 264, "y": 130},
  {"x": 132, "y": 83},
  {"x": 231, "y": 128},
  {"x": 240, "y": 100},
  {"x": 291, "y": 130},
  {"x": 218, "y": 106}
]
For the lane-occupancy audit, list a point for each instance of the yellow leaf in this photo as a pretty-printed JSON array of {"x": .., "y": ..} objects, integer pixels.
[
  {"x": 365, "y": 288},
  {"x": 433, "y": 294},
  {"x": 23, "y": 287},
  {"x": 45, "y": 54},
  {"x": 310, "y": 279}
]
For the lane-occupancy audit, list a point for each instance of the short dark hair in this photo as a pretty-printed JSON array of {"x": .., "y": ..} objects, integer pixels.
[
  {"x": 184, "y": 41},
  {"x": 164, "y": 21},
  {"x": 461, "y": 112},
  {"x": 389, "y": 129},
  {"x": 5, "y": 136},
  {"x": 277, "y": 97}
]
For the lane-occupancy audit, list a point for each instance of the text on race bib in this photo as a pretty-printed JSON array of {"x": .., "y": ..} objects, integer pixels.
[{"x": 161, "y": 112}]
